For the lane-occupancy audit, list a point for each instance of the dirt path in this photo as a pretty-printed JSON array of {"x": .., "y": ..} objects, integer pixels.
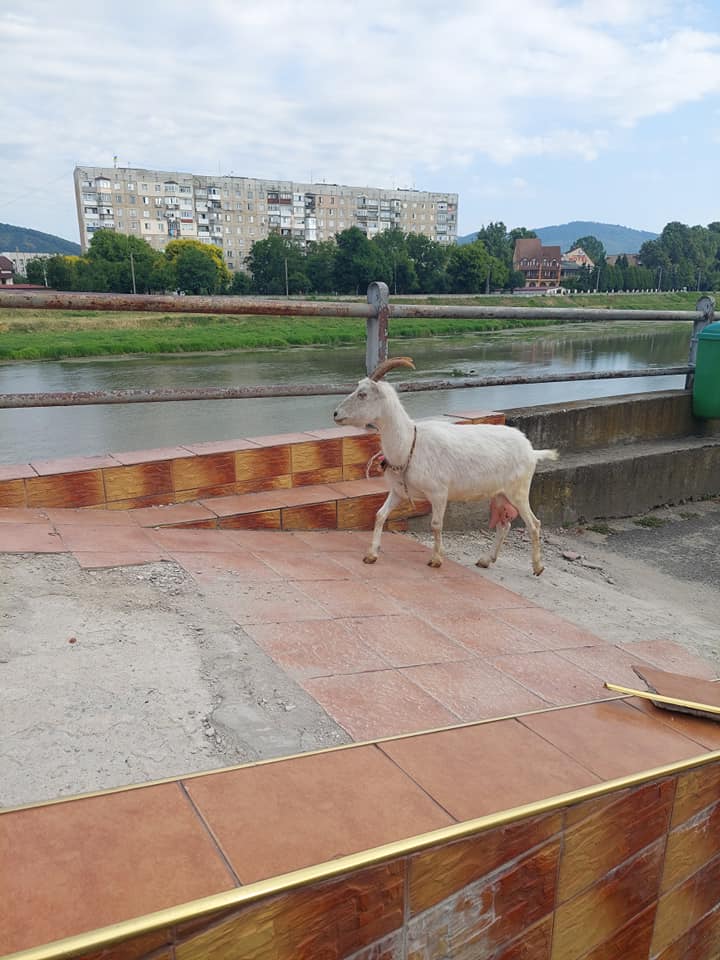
[{"x": 126, "y": 675}]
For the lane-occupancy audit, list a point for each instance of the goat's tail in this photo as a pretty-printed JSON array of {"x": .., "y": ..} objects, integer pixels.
[{"x": 545, "y": 455}]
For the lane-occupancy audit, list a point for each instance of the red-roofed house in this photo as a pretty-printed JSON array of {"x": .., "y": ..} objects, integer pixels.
[
  {"x": 541, "y": 265},
  {"x": 6, "y": 272}
]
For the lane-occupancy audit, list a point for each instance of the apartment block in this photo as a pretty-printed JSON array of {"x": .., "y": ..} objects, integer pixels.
[{"x": 234, "y": 212}]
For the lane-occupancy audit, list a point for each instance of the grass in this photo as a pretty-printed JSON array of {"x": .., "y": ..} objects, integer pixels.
[
  {"x": 601, "y": 527},
  {"x": 60, "y": 334},
  {"x": 650, "y": 522}
]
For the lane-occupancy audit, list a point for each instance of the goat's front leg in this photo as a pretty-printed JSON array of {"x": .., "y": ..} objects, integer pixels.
[
  {"x": 380, "y": 517},
  {"x": 438, "y": 504}
]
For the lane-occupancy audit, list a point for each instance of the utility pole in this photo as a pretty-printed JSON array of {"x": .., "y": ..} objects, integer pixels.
[
  {"x": 287, "y": 288},
  {"x": 132, "y": 270}
]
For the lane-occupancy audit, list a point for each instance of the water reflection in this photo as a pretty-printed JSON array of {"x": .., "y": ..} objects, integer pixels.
[{"x": 42, "y": 433}]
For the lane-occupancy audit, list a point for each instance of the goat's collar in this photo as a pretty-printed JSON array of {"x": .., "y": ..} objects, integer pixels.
[{"x": 389, "y": 466}]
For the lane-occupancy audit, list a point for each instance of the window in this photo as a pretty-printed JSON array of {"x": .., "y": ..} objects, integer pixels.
[
  {"x": 118, "y": 211},
  {"x": 146, "y": 200},
  {"x": 158, "y": 187},
  {"x": 147, "y": 226},
  {"x": 131, "y": 199},
  {"x": 131, "y": 186},
  {"x": 185, "y": 189},
  {"x": 118, "y": 198},
  {"x": 143, "y": 186}
]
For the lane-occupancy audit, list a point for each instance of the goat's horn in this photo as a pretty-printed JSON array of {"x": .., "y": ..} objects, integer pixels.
[{"x": 387, "y": 365}]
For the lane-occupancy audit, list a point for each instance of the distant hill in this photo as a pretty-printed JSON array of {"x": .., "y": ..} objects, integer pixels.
[
  {"x": 614, "y": 238},
  {"x": 25, "y": 240}
]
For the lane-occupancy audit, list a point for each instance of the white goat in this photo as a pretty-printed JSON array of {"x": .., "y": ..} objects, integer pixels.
[{"x": 440, "y": 461}]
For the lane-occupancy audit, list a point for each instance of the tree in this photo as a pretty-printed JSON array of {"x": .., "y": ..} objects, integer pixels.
[
  {"x": 592, "y": 247},
  {"x": 196, "y": 271},
  {"x": 497, "y": 241},
  {"x": 358, "y": 262},
  {"x": 112, "y": 260},
  {"x": 320, "y": 266},
  {"x": 61, "y": 272},
  {"x": 222, "y": 273},
  {"x": 35, "y": 270},
  {"x": 392, "y": 246},
  {"x": 516, "y": 279},
  {"x": 429, "y": 259},
  {"x": 241, "y": 282},
  {"x": 521, "y": 233},
  {"x": 468, "y": 267},
  {"x": 266, "y": 263}
]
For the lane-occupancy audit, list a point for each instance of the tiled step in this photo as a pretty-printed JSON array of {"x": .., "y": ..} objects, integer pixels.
[
  {"x": 348, "y": 505},
  {"x": 224, "y": 847}
]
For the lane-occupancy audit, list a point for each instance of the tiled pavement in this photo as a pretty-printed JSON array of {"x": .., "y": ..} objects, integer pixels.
[
  {"x": 388, "y": 650},
  {"x": 385, "y": 649}
]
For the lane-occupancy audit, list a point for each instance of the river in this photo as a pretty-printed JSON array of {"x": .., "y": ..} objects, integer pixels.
[{"x": 43, "y": 433}]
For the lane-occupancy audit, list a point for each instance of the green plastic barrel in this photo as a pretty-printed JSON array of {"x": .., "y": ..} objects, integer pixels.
[{"x": 706, "y": 388}]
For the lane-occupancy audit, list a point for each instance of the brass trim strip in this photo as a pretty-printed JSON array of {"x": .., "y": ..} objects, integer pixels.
[
  {"x": 240, "y": 896},
  {"x": 675, "y": 701},
  {"x": 295, "y": 756}
]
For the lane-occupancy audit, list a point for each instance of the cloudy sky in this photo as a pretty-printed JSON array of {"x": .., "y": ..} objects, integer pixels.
[{"x": 534, "y": 111}]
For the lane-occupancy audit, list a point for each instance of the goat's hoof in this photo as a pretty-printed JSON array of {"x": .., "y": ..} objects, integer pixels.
[
  {"x": 369, "y": 558},
  {"x": 482, "y": 562},
  {"x": 537, "y": 571},
  {"x": 434, "y": 562}
]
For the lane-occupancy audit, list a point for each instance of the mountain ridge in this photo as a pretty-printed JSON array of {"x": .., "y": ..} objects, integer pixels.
[
  {"x": 613, "y": 236},
  {"x": 27, "y": 240}
]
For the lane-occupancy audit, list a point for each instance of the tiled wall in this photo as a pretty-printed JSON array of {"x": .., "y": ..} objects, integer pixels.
[
  {"x": 173, "y": 475},
  {"x": 146, "y": 478},
  {"x": 632, "y": 875}
]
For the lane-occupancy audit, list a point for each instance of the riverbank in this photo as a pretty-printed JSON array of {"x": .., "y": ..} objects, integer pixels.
[{"x": 67, "y": 334}]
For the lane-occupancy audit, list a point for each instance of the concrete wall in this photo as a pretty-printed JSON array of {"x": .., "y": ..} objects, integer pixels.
[{"x": 589, "y": 424}]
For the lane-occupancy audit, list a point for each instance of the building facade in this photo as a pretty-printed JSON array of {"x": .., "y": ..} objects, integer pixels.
[
  {"x": 7, "y": 272},
  {"x": 234, "y": 212},
  {"x": 539, "y": 264},
  {"x": 21, "y": 258},
  {"x": 578, "y": 256}
]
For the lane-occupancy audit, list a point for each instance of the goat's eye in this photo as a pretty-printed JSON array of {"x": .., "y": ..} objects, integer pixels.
[{"x": 362, "y": 395}]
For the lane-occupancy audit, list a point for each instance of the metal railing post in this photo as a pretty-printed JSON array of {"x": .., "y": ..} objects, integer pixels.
[
  {"x": 706, "y": 310},
  {"x": 378, "y": 296}
]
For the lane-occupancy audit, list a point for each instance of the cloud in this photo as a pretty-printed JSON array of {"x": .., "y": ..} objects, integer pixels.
[{"x": 376, "y": 92}]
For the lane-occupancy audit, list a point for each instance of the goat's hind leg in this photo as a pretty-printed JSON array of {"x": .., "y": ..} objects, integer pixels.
[
  {"x": 380, "y": 517},
  {"x": 501, "y": 531},
  {"x": 533, "y": 525}
]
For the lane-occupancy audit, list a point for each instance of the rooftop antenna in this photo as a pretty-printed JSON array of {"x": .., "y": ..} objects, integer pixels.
[{"x": 115, "y": 160}]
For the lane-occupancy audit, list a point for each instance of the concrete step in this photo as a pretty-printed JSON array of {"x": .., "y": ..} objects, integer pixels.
[{"x": 626, "y": 479}]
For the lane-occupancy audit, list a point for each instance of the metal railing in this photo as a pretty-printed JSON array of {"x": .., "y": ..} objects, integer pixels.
[{"x": 376, "y": 312}]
